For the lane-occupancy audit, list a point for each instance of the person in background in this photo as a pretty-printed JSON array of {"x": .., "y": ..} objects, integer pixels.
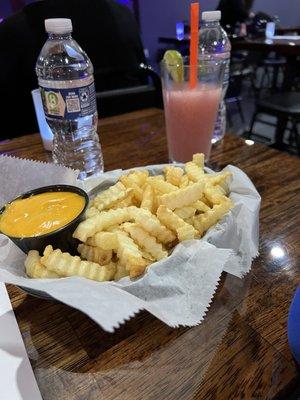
[
  {"x": 234, "y": 12},
  {"x": 106, "y": 30}
]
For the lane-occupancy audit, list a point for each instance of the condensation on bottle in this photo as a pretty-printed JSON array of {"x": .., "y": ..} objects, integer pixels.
[
  {"x": 65, "y": 76},
  {"x": 214, "y": 44}
]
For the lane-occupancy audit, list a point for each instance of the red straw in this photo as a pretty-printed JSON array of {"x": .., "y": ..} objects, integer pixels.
[{"x": 194, "y": 11}]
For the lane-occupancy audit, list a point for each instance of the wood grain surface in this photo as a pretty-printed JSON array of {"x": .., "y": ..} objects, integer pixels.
[
  {"x": 288, "y": 30},
  {"x": 282, "y": 46},
  {"x": 240, "y": 351}
]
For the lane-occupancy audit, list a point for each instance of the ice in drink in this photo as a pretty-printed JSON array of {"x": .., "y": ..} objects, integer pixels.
[{"x": 190, "y": 118}]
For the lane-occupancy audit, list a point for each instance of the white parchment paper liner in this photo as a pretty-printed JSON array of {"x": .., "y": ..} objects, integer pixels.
[{"x": 177, "y": 290}]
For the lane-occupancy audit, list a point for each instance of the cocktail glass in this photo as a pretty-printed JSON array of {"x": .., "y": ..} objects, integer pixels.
[{"x": 190, "y": 112}]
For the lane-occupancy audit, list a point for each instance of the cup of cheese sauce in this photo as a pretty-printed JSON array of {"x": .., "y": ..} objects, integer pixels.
[{"x": 43, "y": 216}]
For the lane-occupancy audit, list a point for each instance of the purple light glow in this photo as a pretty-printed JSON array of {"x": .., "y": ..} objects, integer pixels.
[
  {"x": 125, "y": 2},
  {"x": 180, "y": 30}
]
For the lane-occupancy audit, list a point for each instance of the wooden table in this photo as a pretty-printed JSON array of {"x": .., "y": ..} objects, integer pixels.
[
  {"x": 240, "y": 351},
  {"x": 288, "y": 30},
  {"x": 281, "y": 46}
]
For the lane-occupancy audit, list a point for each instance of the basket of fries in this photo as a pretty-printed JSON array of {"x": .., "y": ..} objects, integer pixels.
[{"x": 154, "y": 237}]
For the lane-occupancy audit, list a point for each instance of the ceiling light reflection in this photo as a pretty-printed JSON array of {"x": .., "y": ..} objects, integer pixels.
[{"x": 277, "y": 252}]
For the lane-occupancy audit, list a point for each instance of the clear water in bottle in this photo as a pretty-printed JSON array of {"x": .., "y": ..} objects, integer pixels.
[
  {"x": 214, "y": 43},
  {"x": 65, "y": 75}
]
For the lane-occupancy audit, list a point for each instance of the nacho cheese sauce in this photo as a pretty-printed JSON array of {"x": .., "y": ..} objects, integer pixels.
[{"x": 40, "y": 213}]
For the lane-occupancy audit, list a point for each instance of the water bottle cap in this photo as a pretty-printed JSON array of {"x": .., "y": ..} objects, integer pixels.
[
  {"x": 211, "y": 15},
  {"x": 58, "y": 25}
]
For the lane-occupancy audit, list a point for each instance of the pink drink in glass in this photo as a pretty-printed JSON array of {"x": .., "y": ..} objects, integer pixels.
[{"x": 190, "y": 118}]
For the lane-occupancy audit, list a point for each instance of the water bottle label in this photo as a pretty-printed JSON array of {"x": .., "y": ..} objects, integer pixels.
[{"x": 68, "y": 99}]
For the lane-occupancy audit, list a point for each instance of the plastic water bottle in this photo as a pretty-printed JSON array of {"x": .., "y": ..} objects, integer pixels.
[
  {"x": 65, "y": 76},
  {"x": 214, "y": 44}
]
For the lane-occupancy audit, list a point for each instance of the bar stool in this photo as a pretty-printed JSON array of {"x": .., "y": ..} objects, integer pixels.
[
  {"x": 284, "y": 106},
  {"x": 272, "y": 66}
]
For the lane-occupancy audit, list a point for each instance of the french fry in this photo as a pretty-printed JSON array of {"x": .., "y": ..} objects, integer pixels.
[
  {"x": 148, "y": 257},
  {"x": 190, "y": 221},
  {"x": 214, "y": 194},
  {"x": 135, "y": 180},
  {"x": 172, "y": 221},
  {"x": 161, "y": 186},
  {"x": 198, "y": 159},
  {"x": 218, "y": 179},
  {"x": 121, "y": 272},
  {"x": 64, "y": 264},
  {"x": 194, "y": 172},
  {"x": 34, "y": 268},
  {"x": 128, "y": 201},
  {"x": 139, "y": 177},
  {"x": 185, "y": 212},
  {"x": 92, "y": 212},
  {"x": 206, "y": 201},
  {"x": 86, "y": 228},
  {"x": 151, "y": 224},
  {"x": 130, "y": 255},
  {"x": 146, "y": 241},
  {"x": 104, "y": 240},
  {"x": 114, "y": 228},
  {"x": 183, "y": 197},
  {"x": 156, "y": 178},
  {"x": 222, "y": 180},
  {"x": 173, "y": 175},
  {"x": 131, "y": 184},
  {"x": 201, "y": 206},
  {"x": 95, "y": 254},
  {"x": 203, "y": 222},
  {"x": 101, "y": 222},
  {"x": 148, "y": 198},
  {"x": 184, "y": 181},
  {"x": 187, "y": 232},
  {"x": 110, "y": 196},
  {"x": 156, "y": 202}
]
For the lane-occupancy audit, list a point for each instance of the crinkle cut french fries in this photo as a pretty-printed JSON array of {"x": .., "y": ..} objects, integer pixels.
[{"x": 138, "y": 221}]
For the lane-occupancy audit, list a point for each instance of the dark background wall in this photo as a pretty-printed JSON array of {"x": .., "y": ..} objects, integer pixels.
[
  {"x": 159, "y": 17},
  {"x": 7, "y": 7},
  {"x": 288, "y": 11}
]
